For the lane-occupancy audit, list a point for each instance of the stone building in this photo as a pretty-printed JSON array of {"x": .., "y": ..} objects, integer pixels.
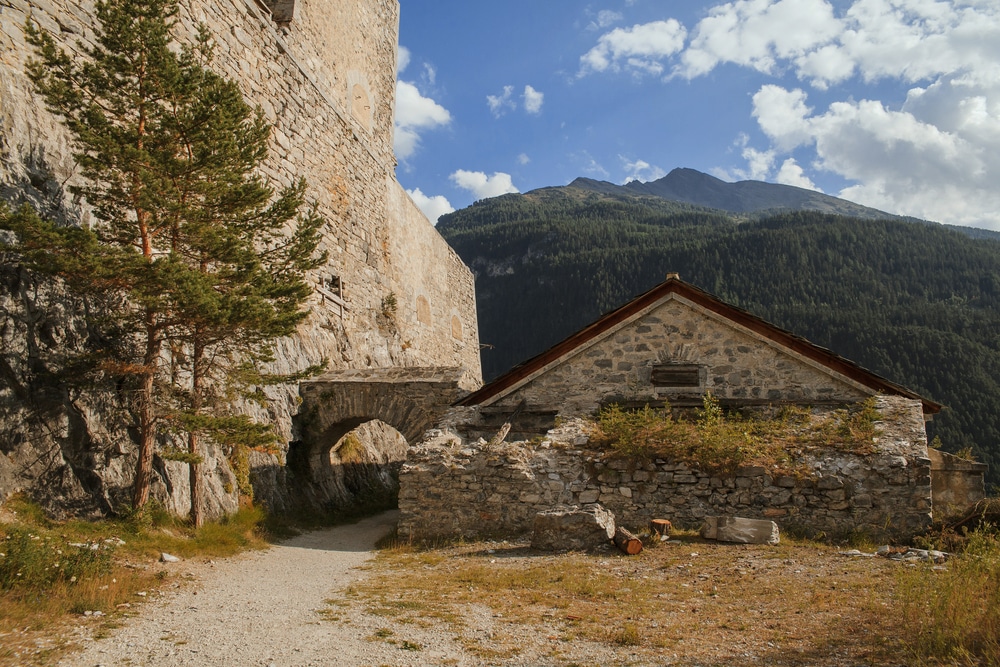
[
  {"x": 393, "y": 294},
  {"x": 671, "y": 345}
]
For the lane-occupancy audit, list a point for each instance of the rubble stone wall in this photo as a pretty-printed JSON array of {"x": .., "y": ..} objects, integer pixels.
[{"x": 451, "y": 487}]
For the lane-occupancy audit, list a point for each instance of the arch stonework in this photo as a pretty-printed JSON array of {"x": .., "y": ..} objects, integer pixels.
[{"x": 411, "y": 400}]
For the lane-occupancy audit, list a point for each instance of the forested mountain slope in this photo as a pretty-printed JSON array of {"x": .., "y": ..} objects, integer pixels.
[{"x": 916, "y": 303}]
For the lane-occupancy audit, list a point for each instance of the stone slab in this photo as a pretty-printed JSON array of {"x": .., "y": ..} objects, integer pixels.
[
  {"x": 569, "y": 528},
  {"x": 739, "y": 530}
]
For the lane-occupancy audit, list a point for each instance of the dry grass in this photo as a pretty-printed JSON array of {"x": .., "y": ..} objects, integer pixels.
[
  {"x": 49, "y": 587},
  {"x": 687, "y": 600},
  {"x": 720, "y": 443}
]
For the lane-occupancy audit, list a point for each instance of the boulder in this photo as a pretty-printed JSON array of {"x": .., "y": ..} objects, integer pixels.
[
  {"x": 739, "y": 530},
  {"x": 573, "y": 528}
]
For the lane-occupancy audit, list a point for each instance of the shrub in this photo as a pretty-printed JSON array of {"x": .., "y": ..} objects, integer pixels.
[{"x": 717, "y": 442}]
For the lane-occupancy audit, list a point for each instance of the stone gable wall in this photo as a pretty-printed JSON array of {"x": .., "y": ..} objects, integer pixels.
[
  {"x": 736, "y": 364},
  {"x": 453, "y": 487}
]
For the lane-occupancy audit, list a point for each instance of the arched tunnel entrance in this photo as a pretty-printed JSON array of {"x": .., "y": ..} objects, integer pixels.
[{"x": 355, "y": 427}]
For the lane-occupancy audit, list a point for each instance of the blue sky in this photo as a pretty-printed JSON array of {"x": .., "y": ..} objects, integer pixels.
[{"x": 894, "y": 104}]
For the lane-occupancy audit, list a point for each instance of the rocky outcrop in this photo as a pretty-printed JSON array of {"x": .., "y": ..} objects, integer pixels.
[{"x": 393, "y": 292}]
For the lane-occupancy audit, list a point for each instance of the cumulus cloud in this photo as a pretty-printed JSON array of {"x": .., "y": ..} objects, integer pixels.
[
  {"x": 936, "y": 155},
  {"x": 533, "y": 100},
  {"x": 402, "y": 59},
  {"x": 791, "y": 173},
  {"x": 523, "y": 159},
  {"x": 433, "y": 207},
  {"x": 640, "y": 49},
  {"x": 640, "y": 170},
  {"x": 899, "y": 159},
  {"x": 483, "y": 186},
  {"x": 758, "y": 33},
  {"x": 414, "y": 115}
]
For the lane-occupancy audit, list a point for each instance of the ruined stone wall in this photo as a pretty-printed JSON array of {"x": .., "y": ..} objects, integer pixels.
[
  {"x": 734, "y": 364},
  {"x": 451, "y": 487},
  {"x": 326, "y": 81}
]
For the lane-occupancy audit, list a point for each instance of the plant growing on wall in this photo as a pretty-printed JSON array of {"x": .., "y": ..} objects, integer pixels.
[{"x": 209, "y": 259}]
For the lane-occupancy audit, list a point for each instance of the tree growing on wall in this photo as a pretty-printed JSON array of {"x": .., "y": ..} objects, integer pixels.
[{"x": 210, "y": 260}]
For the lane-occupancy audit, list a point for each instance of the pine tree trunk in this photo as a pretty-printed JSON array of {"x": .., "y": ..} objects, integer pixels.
[
  {"x": 194, "y": 471},
  {"x": 194, "y": 477},
  {"x": 147, "y": 416}
]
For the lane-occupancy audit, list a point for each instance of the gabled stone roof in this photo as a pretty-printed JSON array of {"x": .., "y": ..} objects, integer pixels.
[{"x": 673, "y": 285}]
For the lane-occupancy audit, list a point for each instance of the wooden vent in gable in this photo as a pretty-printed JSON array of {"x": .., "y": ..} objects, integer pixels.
[{"x": 676, "y": 375}]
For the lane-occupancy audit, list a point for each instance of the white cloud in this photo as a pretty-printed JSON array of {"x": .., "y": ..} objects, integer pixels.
[
  {"x": 533, "y": 100},
  {"x": 430, "y": 74},
  {"x": 639, "y": 48},
  {"x": 523, "y": 159},
  {"x": 782, "y": 115},
  {"x": 483, "y": 186},
  {"x": 758, "y": 33},
  {"x": 900, "y": 161},
  {"x": 791, "y": 173},
  {"x": 500, "y": 104},
  {"x": 640, "y": 170},
  {"x": 414, "y": 114},
  {"x": 937, "y": 155},
  {"x": 590, "y": 166},
  {"x": 604, "y": 19},
  {"x": 433, "y": 207},
  {"x": 402, "y": 59}
]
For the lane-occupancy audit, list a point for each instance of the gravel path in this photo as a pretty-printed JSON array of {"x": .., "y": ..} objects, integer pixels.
[{"x": 262, "y": 608}]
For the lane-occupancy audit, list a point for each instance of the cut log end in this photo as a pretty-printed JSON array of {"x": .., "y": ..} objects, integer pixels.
[
  {"x": 660, "y": 527},
  {"x": 627, "y": 542}
]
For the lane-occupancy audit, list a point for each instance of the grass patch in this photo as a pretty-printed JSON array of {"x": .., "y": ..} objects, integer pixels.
[
  {"x": 717, "y": 442},
  {"x": 52, "y": 573},
  {"x": 953, "y": 614},
  {"x": 800, "y": 602},
  {"x": 796, "y": 603}
]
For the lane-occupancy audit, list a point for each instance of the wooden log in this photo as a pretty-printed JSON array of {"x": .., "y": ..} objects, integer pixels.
[
  {"x": 660, "y": 527},
  {"x": 627, "y": 542}
]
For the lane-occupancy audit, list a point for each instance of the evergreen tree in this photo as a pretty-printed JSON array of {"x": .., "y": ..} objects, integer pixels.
[{"x": 187, "y": 229}]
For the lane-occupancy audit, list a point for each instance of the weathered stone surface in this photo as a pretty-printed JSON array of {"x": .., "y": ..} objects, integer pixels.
[
  {"x": 326, "y": 80},
  {"x": 739, "y": 530},
  {"x": 572, "y": 528},
  {"x": 450, "y": 487}
]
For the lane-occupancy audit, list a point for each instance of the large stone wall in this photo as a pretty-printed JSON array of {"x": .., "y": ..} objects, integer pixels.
[
  {"x": 735, "y": 365},
  {"x": 326, "y": 81},
  {"x": 452, "y": 486}
]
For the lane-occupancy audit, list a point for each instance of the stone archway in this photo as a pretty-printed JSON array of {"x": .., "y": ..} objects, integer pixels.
[{"x": 409, "y": 400}]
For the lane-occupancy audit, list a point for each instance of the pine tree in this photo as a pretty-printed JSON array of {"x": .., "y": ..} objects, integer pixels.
[{"x": 187, "y": 229}]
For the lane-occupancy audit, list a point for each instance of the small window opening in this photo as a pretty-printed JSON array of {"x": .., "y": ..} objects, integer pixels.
[
  {"x": 676, "y": 375},
  {"x": 282, "y": 11},
  {"x": 331, "y": 289}
]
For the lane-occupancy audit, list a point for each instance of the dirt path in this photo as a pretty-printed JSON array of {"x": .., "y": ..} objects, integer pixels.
[{"x": 259, "y": 608}]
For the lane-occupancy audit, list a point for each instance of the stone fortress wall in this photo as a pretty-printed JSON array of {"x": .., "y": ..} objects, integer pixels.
[{"x": 393, "y": 292}]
